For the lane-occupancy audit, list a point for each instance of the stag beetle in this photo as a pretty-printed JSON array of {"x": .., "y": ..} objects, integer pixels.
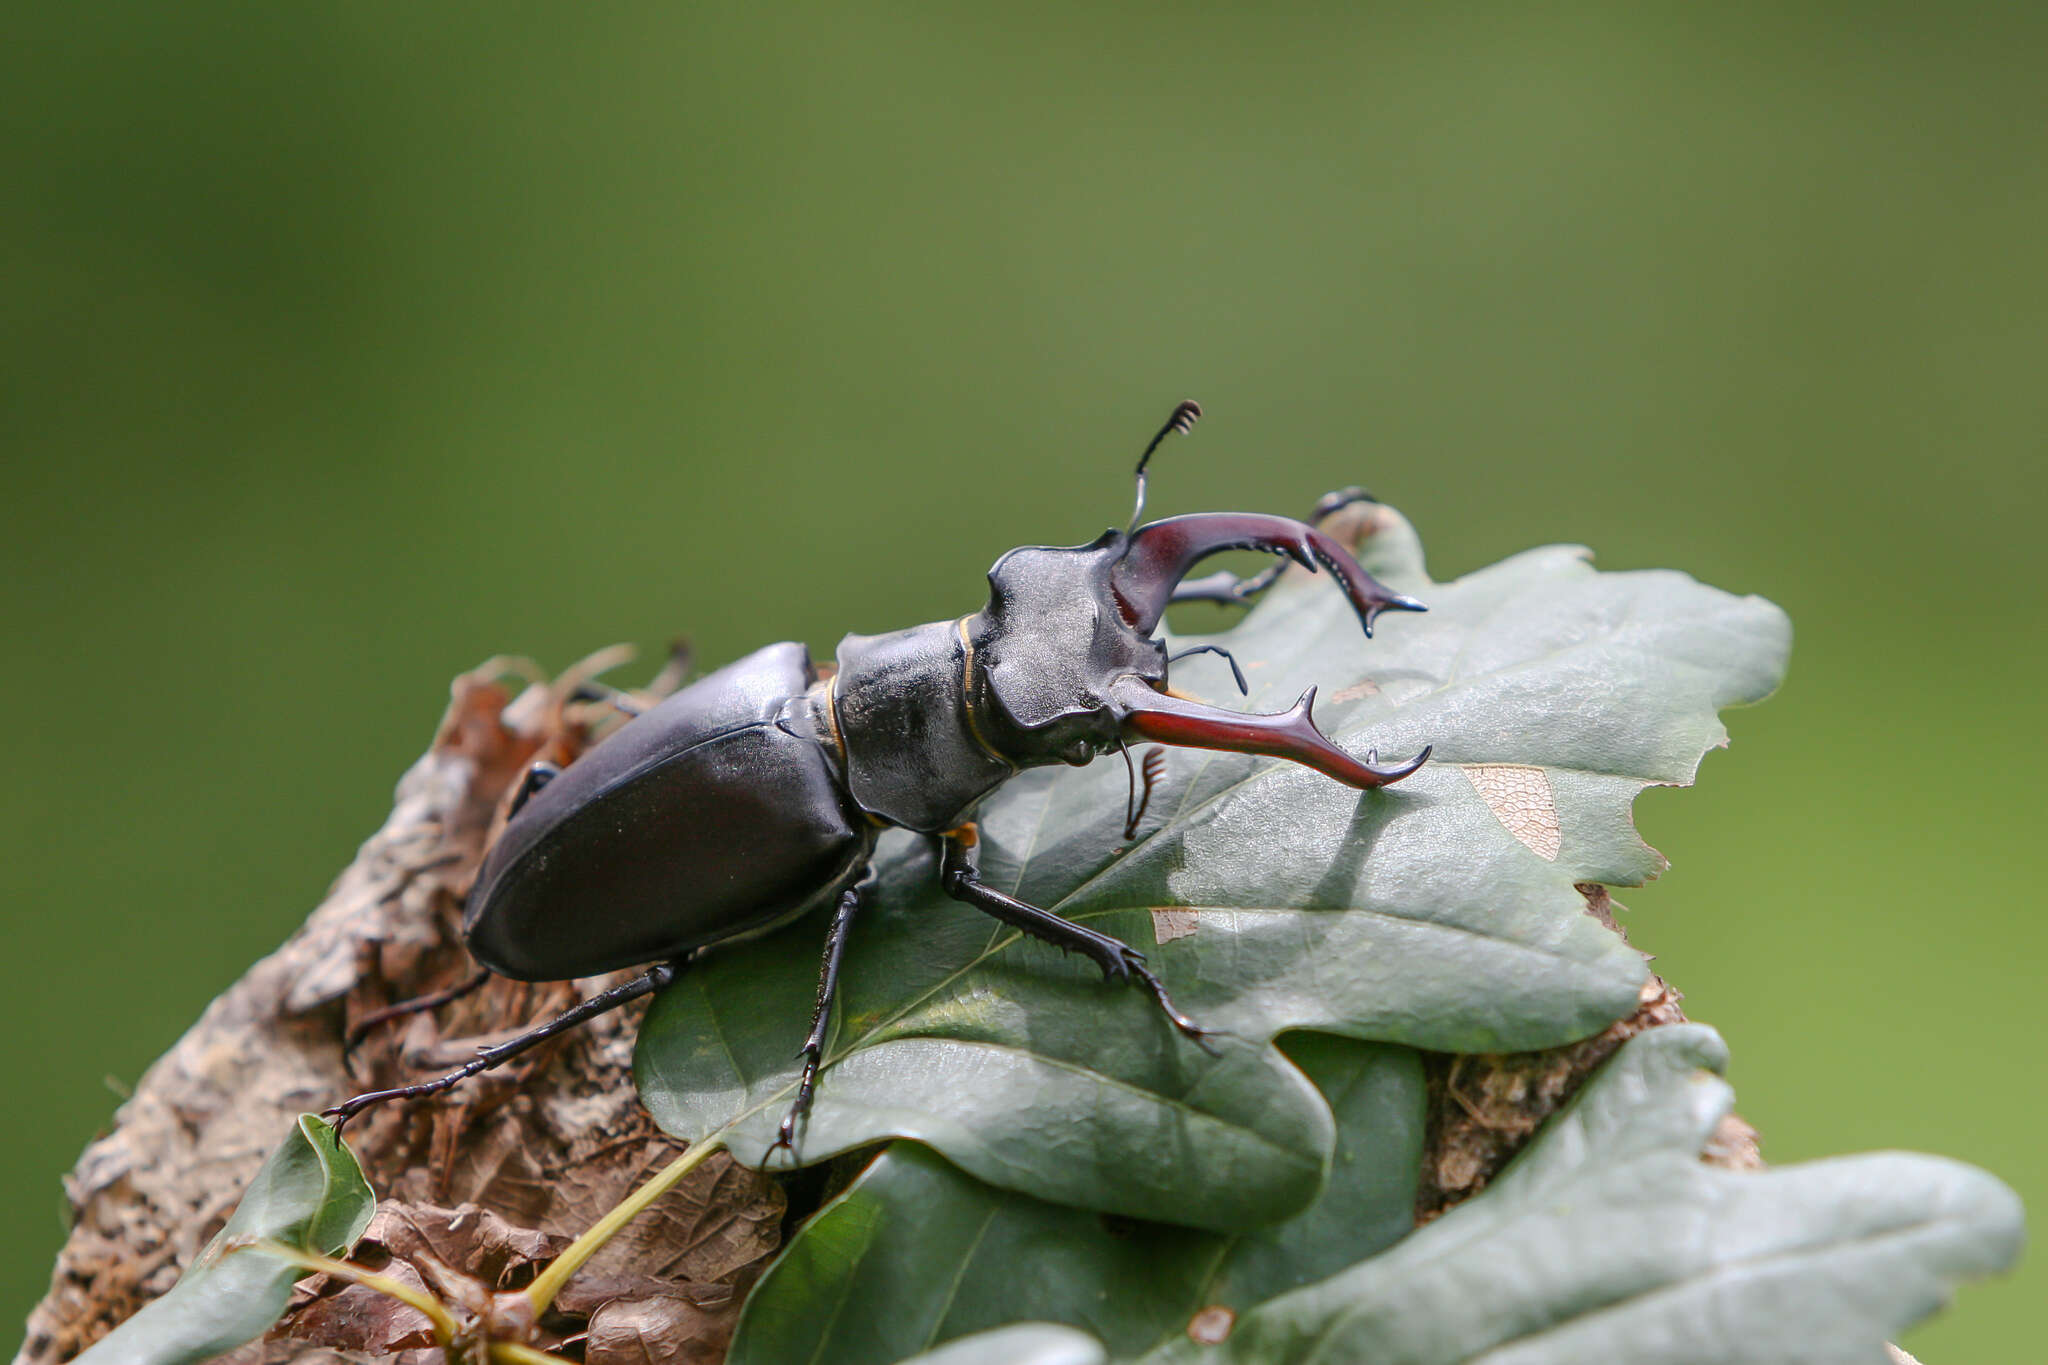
[{"x": 758, "y": 792}]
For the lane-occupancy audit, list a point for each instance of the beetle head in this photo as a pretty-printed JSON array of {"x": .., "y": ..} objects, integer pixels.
[
  {"x": 1065, "y": 666},
  {"x": 1047, "y": 648}
]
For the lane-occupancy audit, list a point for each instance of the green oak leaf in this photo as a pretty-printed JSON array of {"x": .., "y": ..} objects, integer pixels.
[
  {"x": 1609, "y": 1239},
  {"x": 310, "y": 1194},
  {"x": 916, "y": 1252},
  {"x": 1439, "y": 913}
]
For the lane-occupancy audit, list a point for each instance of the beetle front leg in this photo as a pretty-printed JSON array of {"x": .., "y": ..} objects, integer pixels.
[
  {"x": 960, "y": 876},
  {"x": 813, "y": 1050}
]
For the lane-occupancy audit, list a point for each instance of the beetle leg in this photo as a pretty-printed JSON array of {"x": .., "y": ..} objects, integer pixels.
[
  {"x": 813, "y": 1050},
  {"x": 618, "y": 699},
  {"x": 960, "y": 876},
  {"x": 649, "y": 981},
  {"x": 1154, "y": 763},
  {"x": 1228, "y": 589},
  {"x": 1329, "y": 504},
  {"x": 417, "y": 1005},
  {"x": 1236, "y": 673},
  {"x": 538, "y": 776}
]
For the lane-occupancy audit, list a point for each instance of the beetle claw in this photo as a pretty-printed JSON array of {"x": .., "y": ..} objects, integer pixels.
[
  {"x": 1397, "y": 771},
  {"x": 1188, "y": 1028},
  {"x": 1162, "y": 552},
  {"x": 785, "y": 1138}
]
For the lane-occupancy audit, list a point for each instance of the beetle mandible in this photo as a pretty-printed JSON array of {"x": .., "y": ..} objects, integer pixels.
[{"x": 758, "y": 792}]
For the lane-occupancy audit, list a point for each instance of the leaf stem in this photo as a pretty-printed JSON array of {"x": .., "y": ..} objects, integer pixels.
[
  {"x": 549, "y": 1282},
  {"x": 428, "y": 1306},
  {"x": 514, "y": 1353}
]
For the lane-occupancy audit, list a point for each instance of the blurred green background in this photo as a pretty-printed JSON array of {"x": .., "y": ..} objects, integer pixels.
[{"x": 348, "y": 345}]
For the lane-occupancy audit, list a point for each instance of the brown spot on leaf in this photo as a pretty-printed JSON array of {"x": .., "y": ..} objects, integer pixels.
[
  {"x": 1520, "y": 798},
  {"x": 1170, "y": 922},
  {"x": 1734, "y": 1145},
  {"x": 1211, "y": 1324},
  {"x": 1364, "y": 687}
]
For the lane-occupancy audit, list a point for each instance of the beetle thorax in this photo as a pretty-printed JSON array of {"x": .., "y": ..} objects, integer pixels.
[
  {"x": 912, "y": 755},
  {"x": 933, "y": 718}
]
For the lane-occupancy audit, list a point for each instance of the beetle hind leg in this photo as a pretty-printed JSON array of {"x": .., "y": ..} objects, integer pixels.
[
  {"x": 960, "y": 875},
  {"x": 537, "y": 776},
  {"x": 404, "y": 1009},
  {"x": 649, "y": 981}
]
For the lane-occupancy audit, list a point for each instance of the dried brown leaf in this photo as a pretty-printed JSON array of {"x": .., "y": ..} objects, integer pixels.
[
  {"x": 469, "y": 1239},
  {"x": 1484, "y": 1107},
  {"x": 662, "y": 1330},
  {"x": 353, "y": 1317}
]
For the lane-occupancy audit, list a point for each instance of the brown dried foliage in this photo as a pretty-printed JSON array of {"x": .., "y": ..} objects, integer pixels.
[
  {"x": 1484, "y": 1106},
  {"x": 478, "y": 1187}
]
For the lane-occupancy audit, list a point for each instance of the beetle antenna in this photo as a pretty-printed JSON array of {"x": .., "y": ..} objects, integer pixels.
[
  {"x": 1235, "y": 672},
  {"x": 1182, "y": 420}
]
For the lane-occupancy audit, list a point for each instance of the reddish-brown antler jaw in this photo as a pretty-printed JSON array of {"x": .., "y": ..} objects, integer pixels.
[
  {"x": 1161, "y": 554},
  {"x": 1291, "y": 734}
]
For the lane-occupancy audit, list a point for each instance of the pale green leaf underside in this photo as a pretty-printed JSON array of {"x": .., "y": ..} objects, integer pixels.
[
  {"x": 311, "y": 1195},
  {"x": 1412, "y": 914},
  {"x": 1610, "y": 1240}
]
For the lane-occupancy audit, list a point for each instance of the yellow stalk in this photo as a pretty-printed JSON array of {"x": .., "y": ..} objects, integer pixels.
[
  {"x": 430, "y": 1307},
  {"x": 550, "y": 1281},
  {"x": 513, "y": 1353}
]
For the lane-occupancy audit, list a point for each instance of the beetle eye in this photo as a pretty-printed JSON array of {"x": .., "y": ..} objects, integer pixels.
[{"x": 1080, "y": 753}]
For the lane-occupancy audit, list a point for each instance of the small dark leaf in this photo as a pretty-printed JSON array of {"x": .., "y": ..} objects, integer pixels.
[{"x": 311, "y": 1195}]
